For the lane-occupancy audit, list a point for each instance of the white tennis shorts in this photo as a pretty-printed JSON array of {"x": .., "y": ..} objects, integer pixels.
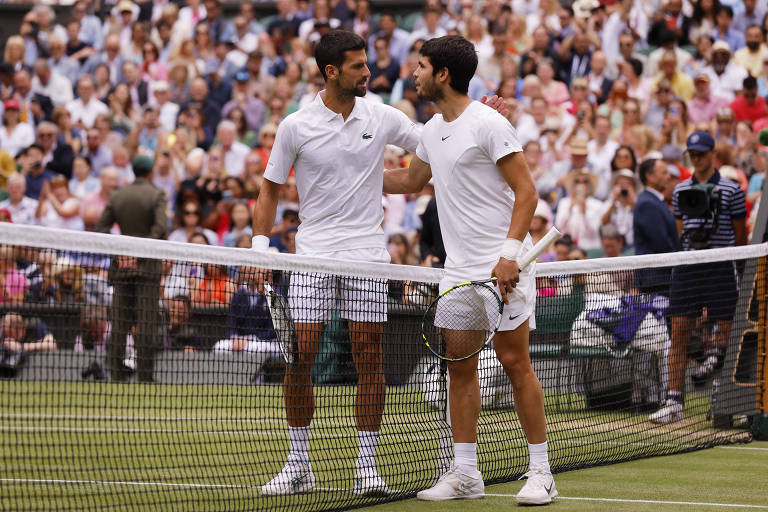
[
  {"x": 312, "y": 297},
  {"x": 464, "y": 306}
]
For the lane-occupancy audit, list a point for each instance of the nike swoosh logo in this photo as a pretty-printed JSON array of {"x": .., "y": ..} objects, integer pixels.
[
  {"x": 549, "y": 489},
  {"x": 443, "y": 138},
  {"x": 516, "y": 316}
]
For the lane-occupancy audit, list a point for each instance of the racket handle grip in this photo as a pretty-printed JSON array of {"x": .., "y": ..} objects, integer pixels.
[{"x": 541, "y": 246}]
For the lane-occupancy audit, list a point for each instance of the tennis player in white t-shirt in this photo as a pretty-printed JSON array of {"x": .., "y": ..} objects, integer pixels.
[
  {"x": 335, "y": 146},
  {"x": 486, "y": 199}
]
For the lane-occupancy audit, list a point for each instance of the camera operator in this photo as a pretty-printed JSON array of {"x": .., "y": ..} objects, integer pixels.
[{"x": 710, "y": 212}]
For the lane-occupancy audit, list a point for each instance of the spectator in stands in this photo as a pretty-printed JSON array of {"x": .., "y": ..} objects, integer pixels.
[
  {"x": 21, "y": 207},
  {"x": 620, "y": 206},
  {"x": 13, "y": 282},
  {"x": 179, "y": 334},
  {"x": 723, "y": 30},
  {"x": 31, "y": 160},
  {"x": 653, "y": 225},
  {"x": 189, "y": 220},
  {"x": 289, "y": 220},
  {"x": 714, "y": 283},
  {"x": 70, "y": 136},
  {"x": 579, "y": 213},
  {"x": 704, "y": 104},
  {"x": 94, "y": 333},
  {"x": 726, "y": 77},
  {"x": 20, "y": 336},
  {"x": 240, "y": 214},
  {"x": 15, "y": 135},
  {"x": 58, "y": 155},
  {"x": 110, "y": 56},
  {"x": 68, "y": 282},
  {"x": 398, "y": 40},
  {"x": 749, "y": 106},
  {"x": 680, "y": 83},
  {"x": 540, "y": 224},
  {"x": 83, "y": 183},
  {"x": 100, "y": 154},
  {"x": 86, "y": 106},
  {"x": 139, "y": 210},
  {"x": 57, "y": 207},
  {"x": 50, "y": 83},
  {"x": 93, "y": 204},
  {"x": 249, "y": 324},
  {"x": 234, "y": 151},
  {"x": 751, "y": 56}
]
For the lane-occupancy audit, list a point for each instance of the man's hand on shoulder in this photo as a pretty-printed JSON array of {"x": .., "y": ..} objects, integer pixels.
[{"x": 497, "y": 103}]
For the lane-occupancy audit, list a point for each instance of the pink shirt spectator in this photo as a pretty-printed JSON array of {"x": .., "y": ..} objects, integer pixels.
[
  {"x": 700, "y": 110},
  {"x": 14, "y": 287}
]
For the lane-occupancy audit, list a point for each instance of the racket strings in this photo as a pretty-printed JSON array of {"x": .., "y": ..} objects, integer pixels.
[{"x": 462, "y": 321}]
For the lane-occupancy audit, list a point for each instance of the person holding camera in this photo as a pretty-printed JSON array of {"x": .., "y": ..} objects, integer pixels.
[
  {"x": 619, "y": 208},
  {"x": 710, "y": 212}
]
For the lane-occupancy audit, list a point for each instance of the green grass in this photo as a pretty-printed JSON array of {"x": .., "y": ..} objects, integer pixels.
[
  {"x": 722, "y": 475},
  {"x": 76, "y": 446}
]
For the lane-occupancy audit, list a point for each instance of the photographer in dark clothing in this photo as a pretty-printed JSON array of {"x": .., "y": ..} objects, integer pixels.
[{"x": 710, "y": 212}]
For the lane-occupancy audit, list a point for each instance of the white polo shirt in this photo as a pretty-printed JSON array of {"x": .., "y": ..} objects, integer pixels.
[
  {"x": 474, "y": 200},
  {"x": 87, "y": 112},
  {"x": 339, "y": 168}
]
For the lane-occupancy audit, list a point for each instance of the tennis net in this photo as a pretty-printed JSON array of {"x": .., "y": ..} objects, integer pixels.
[{"x": 151, "y": 373}]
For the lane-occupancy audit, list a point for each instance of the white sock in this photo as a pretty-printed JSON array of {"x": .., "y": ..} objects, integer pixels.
[
  {"x": 466, "y": 457},
  {"x": 367, "y": 443},
  {"x": 299, "y": 437},
  {"x": 538, "y": 455}
]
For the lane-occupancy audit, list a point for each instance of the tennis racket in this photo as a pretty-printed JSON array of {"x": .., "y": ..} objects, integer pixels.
[
  {"x": 463, "y": 319},
  {"x": 283, "y": 324}
]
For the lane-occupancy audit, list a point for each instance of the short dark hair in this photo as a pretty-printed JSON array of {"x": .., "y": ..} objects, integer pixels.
[
  {"x": 727, "y": 9},
  {"x": 455, "y": 54},
  {"x": 749, "y": 83},
  {"x": 332, "y": 47},
  {"x": 646, "y": 168},
  {"x": 637, "y": 66}
]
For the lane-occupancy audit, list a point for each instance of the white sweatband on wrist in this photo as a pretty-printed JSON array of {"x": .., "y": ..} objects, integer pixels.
[
  {"x": 511, "y": 249},
  {"x": 259, "y": 243}
]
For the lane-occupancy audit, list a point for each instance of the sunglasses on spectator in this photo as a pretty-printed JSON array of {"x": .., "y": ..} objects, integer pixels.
[
  {"x": 663, "y": 90},
  {"x": 45, "y": 134},
  {"x": 191, "y": 212},
  {"x": 697, "y": 154},
  {"x": 581, "y": 180}
]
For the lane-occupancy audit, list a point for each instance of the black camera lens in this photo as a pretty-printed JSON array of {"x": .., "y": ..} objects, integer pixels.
[{"x": 624, "y": 192}]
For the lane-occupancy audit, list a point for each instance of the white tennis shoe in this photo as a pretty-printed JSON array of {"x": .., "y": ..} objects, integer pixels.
[
  {"x": 454, "y": 485},
  {"x": 539, "y": 489},
  {"x": 670, "y": 412},
  {"x": 295, "y": 478},
  {"x": 369, "y": 483}
]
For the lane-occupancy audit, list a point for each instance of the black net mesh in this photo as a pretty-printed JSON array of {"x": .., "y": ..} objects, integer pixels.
[{"x": 130, "y": 383}]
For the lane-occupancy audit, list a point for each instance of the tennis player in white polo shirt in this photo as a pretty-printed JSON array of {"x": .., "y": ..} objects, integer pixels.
[
  {"x": 335, "y": 146},
  {"x": 486, "y": 199}
]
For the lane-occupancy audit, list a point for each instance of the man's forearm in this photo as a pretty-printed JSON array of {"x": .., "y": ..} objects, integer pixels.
[{"x": 397, "y": 181}]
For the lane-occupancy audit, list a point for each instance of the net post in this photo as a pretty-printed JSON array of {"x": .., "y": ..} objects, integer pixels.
[{"x": 760, "y": 423}]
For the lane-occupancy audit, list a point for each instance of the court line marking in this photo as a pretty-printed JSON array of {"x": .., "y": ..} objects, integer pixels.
[
  {"x": 235, "y": 486},
  {"x": 653, "y": 502},
  {"x": 743, "y": 448}
]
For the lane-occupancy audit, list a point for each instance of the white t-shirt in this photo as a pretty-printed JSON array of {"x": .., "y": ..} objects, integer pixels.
[
  {"x": 474, "y": 200},
  {"x": 339, "y": 168}
]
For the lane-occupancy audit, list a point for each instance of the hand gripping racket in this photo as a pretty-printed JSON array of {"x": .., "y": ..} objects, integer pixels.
[{"x": 463, "y": 319}]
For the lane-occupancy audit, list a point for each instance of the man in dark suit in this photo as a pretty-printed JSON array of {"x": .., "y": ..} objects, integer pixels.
[
  {"x": 140, "y": 210},
  {"x": 654, "y": 226},
  {"x": 58, "y": 154}
]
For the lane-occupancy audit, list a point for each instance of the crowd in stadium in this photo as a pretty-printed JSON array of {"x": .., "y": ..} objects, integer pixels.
[{"x": 595, "y": 88}]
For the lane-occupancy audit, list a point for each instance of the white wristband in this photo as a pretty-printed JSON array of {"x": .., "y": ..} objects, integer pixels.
[
  {"x": 259, "y": 243},
  {"x": 511, "y": 249}
]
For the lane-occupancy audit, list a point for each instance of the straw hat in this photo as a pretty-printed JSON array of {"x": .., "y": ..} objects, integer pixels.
[
  {"x": 578, "y": 146},
  {"x": 570, "y": 179}
]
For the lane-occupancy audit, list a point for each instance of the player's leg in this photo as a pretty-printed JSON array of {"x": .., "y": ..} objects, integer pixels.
[
  {"x": 122, "y": 315},
  {"x": 512, "y": 350},
  {"x": 310, "y": 298},
  {"x": 720, "y": 299},
  {"x": 463, "y": 481},
  {"x": 364, "y": 305},
  {"x": 677, "y": 360}
]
